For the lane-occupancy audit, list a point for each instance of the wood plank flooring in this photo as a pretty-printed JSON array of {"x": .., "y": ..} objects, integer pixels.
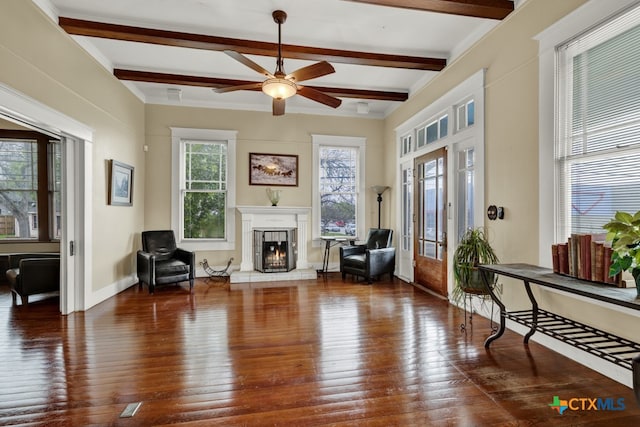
[{"x": 321, "y": 352}]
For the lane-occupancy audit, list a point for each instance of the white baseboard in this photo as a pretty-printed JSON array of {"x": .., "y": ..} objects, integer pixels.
[{"x": 109, "y": 291}]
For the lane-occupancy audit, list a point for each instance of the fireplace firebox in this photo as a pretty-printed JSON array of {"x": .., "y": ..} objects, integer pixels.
[{"x": 275, "y": 249}]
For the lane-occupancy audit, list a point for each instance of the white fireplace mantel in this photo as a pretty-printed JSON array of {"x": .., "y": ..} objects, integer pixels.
[{"x": 274, "y": 217}]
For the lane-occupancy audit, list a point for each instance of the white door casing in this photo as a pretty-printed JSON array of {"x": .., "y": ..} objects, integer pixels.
[{"x": 75, "y": 271}]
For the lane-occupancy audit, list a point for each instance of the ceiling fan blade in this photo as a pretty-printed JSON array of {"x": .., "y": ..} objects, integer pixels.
[
  {"x": 316, "y": 95},
  {"x": 278, "y": 107},
  {"x": 313, "y": 71},
  {"x": 249, "y": 63},
  {"x": 250, "y": 86}
]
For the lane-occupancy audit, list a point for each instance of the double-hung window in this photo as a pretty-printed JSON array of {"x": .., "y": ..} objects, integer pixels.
[
  {"x": 204, "y": 196},
  {"x": 30, "y": 172},
  {"x": 204, "y": 190},
  {"x": 338, "y": 185},
  {"x": 597, "y": 149}
]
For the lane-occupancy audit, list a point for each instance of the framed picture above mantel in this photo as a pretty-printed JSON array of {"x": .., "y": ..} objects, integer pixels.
[{"x": 273, "y": 169}]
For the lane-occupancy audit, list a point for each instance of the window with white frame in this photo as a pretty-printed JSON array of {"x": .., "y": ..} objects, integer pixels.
[
  {"x": 203, "y": 200},
  {"x": 407, "y": 146},
  {"x": 432, "y": 132},
  {"x": 407, "y": 211},
  {"x": 203, "y": 189},
  {"x": 465, "y": 168},
  {"x": 465, "y": 115},
  {"x": 598, "y": 125},
  {"x": 338, "y": 185},
  {"x": 30, "y": 179}
]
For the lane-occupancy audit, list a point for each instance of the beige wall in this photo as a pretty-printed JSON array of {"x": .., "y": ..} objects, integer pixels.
[
  {"x": 258, "y": 132},
  {"x": 43, "y": 62}
]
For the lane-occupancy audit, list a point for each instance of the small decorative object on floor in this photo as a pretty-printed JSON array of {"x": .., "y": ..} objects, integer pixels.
[
  {"x": 274, "y": 196},
  {"x": 220, "y": 274}
]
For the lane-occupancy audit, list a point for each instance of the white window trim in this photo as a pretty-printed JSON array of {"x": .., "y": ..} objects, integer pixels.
[
  {"x": 177, "y": 135},
  {"x": 562, "y": 31},
  {"x": 338, "y": 141},
  {"x": 471, "y": 88}
]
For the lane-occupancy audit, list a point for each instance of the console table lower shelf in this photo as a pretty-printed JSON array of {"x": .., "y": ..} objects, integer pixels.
[{"x": 607, "y": 346}]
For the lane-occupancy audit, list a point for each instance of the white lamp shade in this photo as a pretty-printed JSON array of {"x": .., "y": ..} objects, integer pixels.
[
  {"x": 279, "y": 88},
  {"x": 379, "y": 189}
]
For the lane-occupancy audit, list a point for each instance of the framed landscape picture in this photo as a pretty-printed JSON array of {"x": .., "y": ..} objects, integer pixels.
[
  {"x": 120, "y": 184},
  {"x": 273, "y": 169}
]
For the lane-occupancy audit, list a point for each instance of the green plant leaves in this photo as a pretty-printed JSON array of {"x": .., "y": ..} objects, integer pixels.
[{"x": 623, "y": 231}]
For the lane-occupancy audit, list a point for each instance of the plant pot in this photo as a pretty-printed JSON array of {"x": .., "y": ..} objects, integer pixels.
[
  {"x": 636, "y": 276},
  {"x": 472, "y": 282}
]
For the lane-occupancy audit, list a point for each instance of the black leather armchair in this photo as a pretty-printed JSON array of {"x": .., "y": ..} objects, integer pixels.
[
  {"x": 372, "y": 259},
  {"x": 160, "y": 261},
  {"x": 33, "y": 273}
]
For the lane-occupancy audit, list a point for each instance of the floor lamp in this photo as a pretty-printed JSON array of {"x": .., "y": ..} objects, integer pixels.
[{"x": 379, "y": 189}]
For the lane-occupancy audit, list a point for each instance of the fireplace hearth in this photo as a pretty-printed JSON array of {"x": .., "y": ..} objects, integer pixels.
[{"x": 275, "y": 250}]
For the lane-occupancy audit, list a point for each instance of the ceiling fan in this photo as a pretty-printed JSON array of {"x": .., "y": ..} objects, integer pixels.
[{"x": 281, "y": 86}]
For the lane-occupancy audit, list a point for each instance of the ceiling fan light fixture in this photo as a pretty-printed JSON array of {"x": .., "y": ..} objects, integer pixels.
[{"x": 279, "y": 88}]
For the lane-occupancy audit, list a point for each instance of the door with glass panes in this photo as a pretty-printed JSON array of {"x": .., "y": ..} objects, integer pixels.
[{"x": 430, "y": 231}]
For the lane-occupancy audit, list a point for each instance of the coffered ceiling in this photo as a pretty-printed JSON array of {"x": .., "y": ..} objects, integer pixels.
[{"x": 172, "y": 51}]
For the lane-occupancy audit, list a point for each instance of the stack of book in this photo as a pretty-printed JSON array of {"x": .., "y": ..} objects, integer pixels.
[{"x": 585, "y": 256}]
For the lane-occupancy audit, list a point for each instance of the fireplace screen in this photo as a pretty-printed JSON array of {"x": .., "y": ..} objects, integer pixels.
[{"x": 275, "y": 250}]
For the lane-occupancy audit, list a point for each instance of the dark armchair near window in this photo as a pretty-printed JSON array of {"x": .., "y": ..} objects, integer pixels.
[
  {"x": 160, "y": 261},
  {"x": 372, "y": 259}
]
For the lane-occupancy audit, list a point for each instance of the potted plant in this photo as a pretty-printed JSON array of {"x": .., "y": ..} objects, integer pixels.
[
  {"x": 623, "y": 231},
  {"x": 473, "y": 249}
]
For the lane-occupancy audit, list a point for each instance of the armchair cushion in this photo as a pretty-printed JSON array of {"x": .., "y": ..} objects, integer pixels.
[{"x": 171, "y": 267}]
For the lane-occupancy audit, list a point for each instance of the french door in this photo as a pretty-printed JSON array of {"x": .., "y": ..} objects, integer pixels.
[{"x": 430, "y": 231}]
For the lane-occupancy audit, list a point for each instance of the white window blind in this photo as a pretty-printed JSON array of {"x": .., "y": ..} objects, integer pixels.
[{"x": 598, "y": 126}]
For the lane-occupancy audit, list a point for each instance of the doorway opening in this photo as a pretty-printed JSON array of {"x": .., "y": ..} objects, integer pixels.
[{"x": 75, "y": 139}]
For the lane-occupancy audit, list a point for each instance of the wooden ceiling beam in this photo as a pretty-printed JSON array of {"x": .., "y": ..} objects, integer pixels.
[
  {"x": 215, "y": 82},
  {"x": 199, "y": 41},
  {"x": 491, "y": 9}
]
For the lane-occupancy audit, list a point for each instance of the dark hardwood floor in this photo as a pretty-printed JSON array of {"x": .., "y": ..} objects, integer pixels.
[{"x": 323, "y": 352}]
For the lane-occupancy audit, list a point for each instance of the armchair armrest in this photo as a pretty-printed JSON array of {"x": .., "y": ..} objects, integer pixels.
[
  {"x": 188, "y": 258},
  {"x": 380, "y": 261},
  {"x": 146, "y": 267}
]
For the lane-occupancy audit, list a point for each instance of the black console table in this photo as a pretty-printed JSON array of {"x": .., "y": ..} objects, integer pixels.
[{"x": 615, "y": 349}]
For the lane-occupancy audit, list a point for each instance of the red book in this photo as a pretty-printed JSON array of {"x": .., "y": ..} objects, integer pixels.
[
  {"x": 563, "y": 258},
  {"x": 555, "y": 259},
  {"x": 593, "y": 261},
  {"x": 585, "y": 256}
]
